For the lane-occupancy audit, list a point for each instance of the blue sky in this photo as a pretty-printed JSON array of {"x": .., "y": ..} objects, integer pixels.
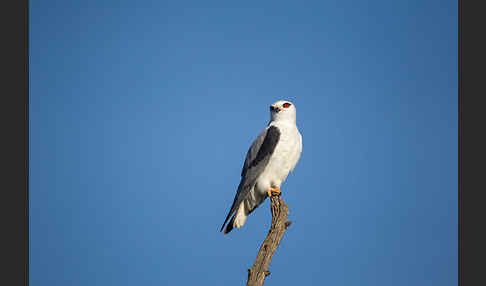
[{"x": 141, "y": 114}]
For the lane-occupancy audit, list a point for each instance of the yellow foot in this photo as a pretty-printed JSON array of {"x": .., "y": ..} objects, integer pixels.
[{"x": 273, "y": 191}]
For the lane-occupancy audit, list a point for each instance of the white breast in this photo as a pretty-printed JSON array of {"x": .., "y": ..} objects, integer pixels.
[{"x": 284, "y": 158}]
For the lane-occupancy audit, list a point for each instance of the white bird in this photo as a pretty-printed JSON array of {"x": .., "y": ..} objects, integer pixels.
[{"x": 270, "y": 159}]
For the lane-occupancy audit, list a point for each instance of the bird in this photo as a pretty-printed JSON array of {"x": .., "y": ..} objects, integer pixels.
[{"x": 272, "y": 156}]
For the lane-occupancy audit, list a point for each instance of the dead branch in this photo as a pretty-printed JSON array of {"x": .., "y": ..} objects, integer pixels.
[{"x": 280, "y": 211}]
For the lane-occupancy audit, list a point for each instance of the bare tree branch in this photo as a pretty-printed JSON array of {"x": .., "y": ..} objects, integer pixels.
[{"x": 280, "y": 211}]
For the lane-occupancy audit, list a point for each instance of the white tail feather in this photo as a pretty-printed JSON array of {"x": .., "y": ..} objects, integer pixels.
[{"x": 240, "y": 217}]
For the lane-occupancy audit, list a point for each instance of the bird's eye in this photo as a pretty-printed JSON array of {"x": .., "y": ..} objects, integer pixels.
[{"x": 286, "y": 105}]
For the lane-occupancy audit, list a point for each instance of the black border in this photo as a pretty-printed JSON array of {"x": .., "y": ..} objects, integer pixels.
[
  {"x": 14, "y": 118},
  {"x": 472, "y": 119},
  {"x": 27, "y": 139}
]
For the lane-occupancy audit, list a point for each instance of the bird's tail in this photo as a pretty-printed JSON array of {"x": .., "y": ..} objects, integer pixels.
[
  {"x": 229, "y": 226},
  {"x": 238, "y": 219}
]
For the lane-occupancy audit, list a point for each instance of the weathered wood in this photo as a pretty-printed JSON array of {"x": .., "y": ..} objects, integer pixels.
[{"x": 280, "y": 211}]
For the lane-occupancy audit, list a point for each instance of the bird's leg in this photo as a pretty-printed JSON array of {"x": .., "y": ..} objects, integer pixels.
[{"x": 273, "y": 191}]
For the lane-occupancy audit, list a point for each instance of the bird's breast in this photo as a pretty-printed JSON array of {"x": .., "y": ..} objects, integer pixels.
[{"x": 285, "y": 154}]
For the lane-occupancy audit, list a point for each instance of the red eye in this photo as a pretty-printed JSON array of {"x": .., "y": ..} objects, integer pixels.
[{"x": 286, "y": 105}]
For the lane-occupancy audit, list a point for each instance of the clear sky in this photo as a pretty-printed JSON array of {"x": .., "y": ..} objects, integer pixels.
[{"x": 141, "y": 114}]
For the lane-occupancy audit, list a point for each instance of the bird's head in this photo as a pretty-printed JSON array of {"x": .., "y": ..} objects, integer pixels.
[{"x": 282, "y": 110}]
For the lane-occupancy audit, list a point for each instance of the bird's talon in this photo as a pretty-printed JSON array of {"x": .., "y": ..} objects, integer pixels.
[{"x": 273, "y": 192}]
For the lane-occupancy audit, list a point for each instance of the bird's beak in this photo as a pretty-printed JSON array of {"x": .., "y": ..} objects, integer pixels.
[{"x": 275, "y": 108}]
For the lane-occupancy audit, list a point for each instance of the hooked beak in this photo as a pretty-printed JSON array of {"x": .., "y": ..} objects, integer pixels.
[{"x": 275, "y": 108}]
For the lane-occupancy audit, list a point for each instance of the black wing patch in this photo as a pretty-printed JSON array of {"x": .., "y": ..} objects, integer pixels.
[
  {"x": 267, "y": 147},
  {"x": 266, "y": 150}
]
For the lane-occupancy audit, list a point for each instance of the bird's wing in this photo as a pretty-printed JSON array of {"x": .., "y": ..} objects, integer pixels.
[{"x": 256, "y": 160}]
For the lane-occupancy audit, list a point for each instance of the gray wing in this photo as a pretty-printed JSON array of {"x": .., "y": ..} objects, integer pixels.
[{"x": 256, "y": 160}]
